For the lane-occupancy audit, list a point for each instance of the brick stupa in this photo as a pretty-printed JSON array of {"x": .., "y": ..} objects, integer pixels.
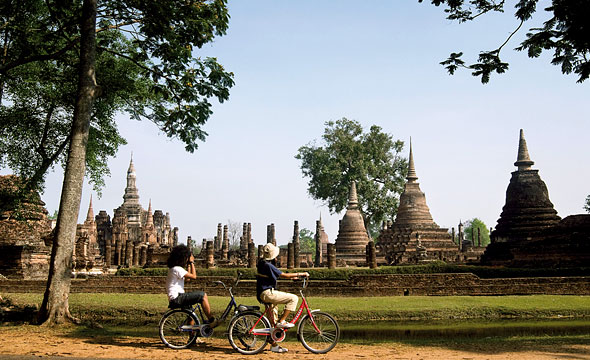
[
  {"x": 414, "y": 236},
  {"x": 529, "y": 233},
  {"x": 528, "y": 210},
  {"x": 352, "y": 235}
]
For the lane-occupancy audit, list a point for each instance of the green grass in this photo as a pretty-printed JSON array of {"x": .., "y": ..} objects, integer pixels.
[{"x": 145, "y": 307}]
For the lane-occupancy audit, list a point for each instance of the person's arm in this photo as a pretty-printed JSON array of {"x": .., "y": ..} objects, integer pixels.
[
  {"x": 293, "y": 275},
  {"x": 192, "y": 273}
]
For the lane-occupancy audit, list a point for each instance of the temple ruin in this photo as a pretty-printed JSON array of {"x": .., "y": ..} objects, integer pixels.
[
  {"x": 529, "y": 232},
  {"x": 134, "y": 237},
  {"x": 352, "y": 235},
  {"x": 25, "y": 233},
  {"x": 414, "y": 236}
]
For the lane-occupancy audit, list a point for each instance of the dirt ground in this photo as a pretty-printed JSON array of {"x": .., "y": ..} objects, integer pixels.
[{"x": 39, "y": 342}]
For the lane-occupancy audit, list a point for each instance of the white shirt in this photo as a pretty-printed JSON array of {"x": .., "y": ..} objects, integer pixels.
[{"x": 175, "y": 282}]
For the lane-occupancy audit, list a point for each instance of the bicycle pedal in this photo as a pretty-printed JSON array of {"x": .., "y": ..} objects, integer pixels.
[{"x": 206, "y": 331}]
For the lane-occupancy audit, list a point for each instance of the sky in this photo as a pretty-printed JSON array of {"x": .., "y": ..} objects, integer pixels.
[{"x": 299, "y": 64}]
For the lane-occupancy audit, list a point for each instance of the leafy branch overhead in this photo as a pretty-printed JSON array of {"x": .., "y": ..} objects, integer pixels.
[
  {"x": 145, "y": 67},
  {"x": 566, "y": 33}
]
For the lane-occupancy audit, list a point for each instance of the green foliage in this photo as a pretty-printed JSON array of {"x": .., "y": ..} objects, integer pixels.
[
  {"x": 372, "y": 159},
  {"x": 307, "y": 241},
  {"x": 471, "y": 227},
  {"x": 145, "y": 67},
  {"x": 565, "y": 33},
  {"x": 437, "y": 267},
  {"x": 587, "y": 205}
]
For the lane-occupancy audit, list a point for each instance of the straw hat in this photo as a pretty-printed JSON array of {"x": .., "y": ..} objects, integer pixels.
[{"x": 269, "y": 251}]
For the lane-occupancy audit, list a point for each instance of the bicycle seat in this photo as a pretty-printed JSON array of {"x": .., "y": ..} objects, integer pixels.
[{"x": 242, "y": 308}]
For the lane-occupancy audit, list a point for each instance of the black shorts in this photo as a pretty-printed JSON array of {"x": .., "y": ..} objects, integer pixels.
[{"x": 186, "y": 300}]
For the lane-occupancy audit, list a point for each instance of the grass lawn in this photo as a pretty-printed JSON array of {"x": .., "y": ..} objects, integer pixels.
[{"x": 354, "y": 308}]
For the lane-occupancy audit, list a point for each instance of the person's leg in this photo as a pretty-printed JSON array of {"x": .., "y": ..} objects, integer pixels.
[
  {"x": 280, "y": 297},
  {"x": 206, "y": 307},
  {"x": 191, "y": 298}
]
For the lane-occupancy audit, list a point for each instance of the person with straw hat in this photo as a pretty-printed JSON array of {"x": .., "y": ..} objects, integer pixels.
[{"x": 267, "y": 293}]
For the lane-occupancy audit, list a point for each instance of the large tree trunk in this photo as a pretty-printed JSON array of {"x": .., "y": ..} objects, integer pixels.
[{"x": 55, "y": 306}]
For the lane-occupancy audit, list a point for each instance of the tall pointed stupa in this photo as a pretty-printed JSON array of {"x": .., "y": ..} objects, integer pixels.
[
  {"x": 527, "y": 210},
  {"x": 414, "y": 229},
  {"x": 413, "y": 211},
  {"x": 352, "y": 236}
]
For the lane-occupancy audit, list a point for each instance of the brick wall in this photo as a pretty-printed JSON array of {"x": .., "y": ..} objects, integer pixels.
[{"x": 361, "y": 285}]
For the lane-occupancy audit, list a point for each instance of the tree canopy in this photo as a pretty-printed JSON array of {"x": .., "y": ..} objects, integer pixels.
[
  {"x": 53, "y": 52},
  {"x": 566, "y": 33},
  {"x": 372, "y": 159},
  {"x": 307, "y": 242},
  {"x": 471, "y": 228},
  {"x": 587, "y": 204},
  {"x": 144, "y": 67}
]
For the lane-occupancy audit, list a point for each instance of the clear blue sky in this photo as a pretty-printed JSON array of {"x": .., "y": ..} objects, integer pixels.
[{"x": 298, "y": 64}]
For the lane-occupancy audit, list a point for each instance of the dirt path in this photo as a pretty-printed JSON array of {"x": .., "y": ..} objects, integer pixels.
[{"x": 42, "y": 342}]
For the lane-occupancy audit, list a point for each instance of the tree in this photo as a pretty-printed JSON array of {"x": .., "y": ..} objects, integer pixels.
[
  {"x": 38, "y": 78},
  {"x": 307, "y": 242},
  {"x": 371, "y": 159},
  {"x": 234, "y": 232},
  {"x": 566, "y": 33},
  {"x": 157, "y": 39},
  {"x": 587, "y": 205},
  {"x": 471, "y": 227}
]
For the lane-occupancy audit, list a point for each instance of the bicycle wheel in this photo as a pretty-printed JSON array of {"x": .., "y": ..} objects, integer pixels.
[
  {"x": 242, "y": 339},
  {"x": 322, "y": 341},
  {"x": 176, "y": 328}
]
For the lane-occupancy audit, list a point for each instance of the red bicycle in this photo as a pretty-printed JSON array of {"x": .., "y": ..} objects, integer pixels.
[{"x": 318, "y": 332}]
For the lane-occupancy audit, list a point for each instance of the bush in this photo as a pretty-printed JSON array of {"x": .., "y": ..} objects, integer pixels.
[{"x": 437, "y": 267}]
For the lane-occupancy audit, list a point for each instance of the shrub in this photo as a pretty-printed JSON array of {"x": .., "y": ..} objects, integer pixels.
[{"x": 437, "y": 267}]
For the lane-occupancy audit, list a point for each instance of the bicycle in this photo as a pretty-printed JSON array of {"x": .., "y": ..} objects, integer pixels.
[
  {"x": 318, "y": 332},
  {"x": 180, "y": 327}
]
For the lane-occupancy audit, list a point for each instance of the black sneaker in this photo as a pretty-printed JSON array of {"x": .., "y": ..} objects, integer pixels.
[{"x": 213, "y": 322}]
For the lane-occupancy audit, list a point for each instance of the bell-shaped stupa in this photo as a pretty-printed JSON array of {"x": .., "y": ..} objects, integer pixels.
[
  {"x": 414, "y": 236},
  {"x": 528, "y": 210},
  {"x": 352, "y": 235}
]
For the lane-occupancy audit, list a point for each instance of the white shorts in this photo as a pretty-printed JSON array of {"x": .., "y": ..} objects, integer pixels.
[{"x": 276, "y": 297}]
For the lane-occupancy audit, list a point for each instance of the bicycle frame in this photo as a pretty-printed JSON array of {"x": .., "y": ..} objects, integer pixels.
[
  {"x": 304, "y": 306},
  {"x": 196, "y": 309}
]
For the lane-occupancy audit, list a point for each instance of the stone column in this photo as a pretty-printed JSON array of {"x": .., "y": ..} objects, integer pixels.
[
  {"x": 204, "y": 248},
  {"x": 107, "y": 254},
  {"x": 218, "y": 238},
  {"x": 296, "y": 245},
  {"x": 290, "y": 258},
  {"x": 272, "y": 234},
  {"x": 491, "y": 238},
  {"x": 129, "y": 253},
  {"x": 372, "y": 255},
  {"x": 136, "y": 254},
  {"x": 225, "y": 244},
  {"x": 260, "y": 251},
  {"x": 251, "y": 255},
  {"x": 244, "y": 237},
  {"x": 318, "y": 244},
  {"x": 118, "y": 252},
  {"x": 143, "y": 255},
  {"x": 453, "y": 234},
  {"x": 331, "y": 256},
  {"x": 210, "y": 254},
  {"x": 460, "y": 236}
]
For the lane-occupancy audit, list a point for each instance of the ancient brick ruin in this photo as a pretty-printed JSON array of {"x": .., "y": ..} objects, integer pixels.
[
  {"x": 134, "y": 237},
  {"x": 352, "y": 236},
  {"x": 25, "y": 233},
  {"x": 529, "y": 231},
  {"x": 414, "y": 237}
]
